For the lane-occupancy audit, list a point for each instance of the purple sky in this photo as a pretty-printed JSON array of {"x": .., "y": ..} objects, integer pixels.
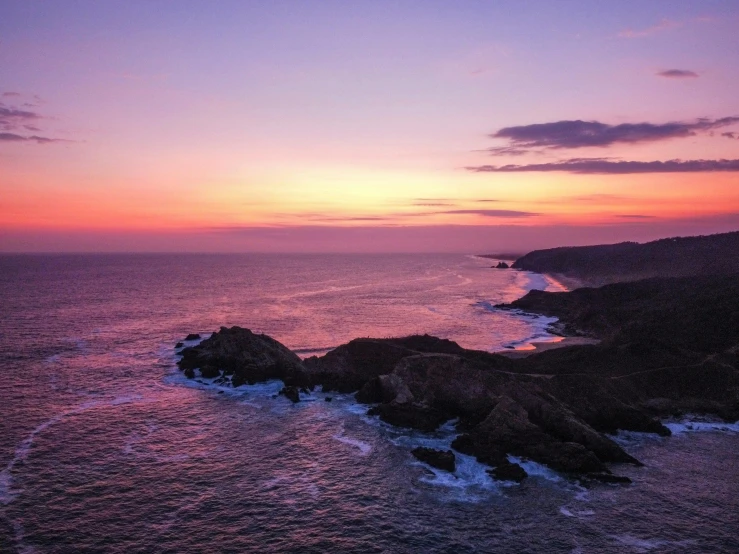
[{"x": 365, "y": 126}]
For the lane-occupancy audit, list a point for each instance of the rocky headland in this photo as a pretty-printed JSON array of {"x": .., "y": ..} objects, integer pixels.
[
  {"x": 667, "y": 346},
  {"x": 632, "y": 261}
]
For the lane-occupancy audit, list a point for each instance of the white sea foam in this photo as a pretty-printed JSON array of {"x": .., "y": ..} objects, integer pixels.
[
  {"x": 469, "y": 482},
  {"x": 535, "y": 281},
  {"x": 692, "y": 424},
  {"x": 571, "y": 512},
  {"x": 645, "y": 545},
  {"x": 536, "y": 470},
  {"x": 364, "y": 448}
]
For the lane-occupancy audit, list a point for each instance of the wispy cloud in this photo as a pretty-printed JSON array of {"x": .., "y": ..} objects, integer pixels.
[
  {"x": 432, "y": 204},
  {"x": 507, "y": 151},
  {"x": 678, "y": 74},
  {"x": 597, "y": 198},
  {"x": 13, "y": 118},
  {"x": 14, "y": 121},
  {"x": 730, "y": 135},
  {"x": 607, "y": 167},
  {"x": 663, "y": 25},
  {"x": 581, "y": 134},
  {"x": 12, "y": 137},
  {"x": 634, "y": 216},
  {"x": 396, "y": 218},
  {"x": 490, "y": 213}
]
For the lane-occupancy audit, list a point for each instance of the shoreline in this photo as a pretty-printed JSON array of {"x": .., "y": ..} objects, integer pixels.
[
  {"x": 566, "y": 284},
  {"x": 541, "y": 346}
]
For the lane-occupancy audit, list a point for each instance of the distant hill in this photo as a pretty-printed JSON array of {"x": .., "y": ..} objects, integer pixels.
[
  {"x": 698, "y": 313},
  {"x": 631, "y": 261}
]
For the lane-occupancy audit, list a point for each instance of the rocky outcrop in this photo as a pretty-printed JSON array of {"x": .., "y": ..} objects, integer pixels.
[
  {"x": 501, "y": 265},
  {"x": 246, "y": 356},
  {"x": 440, "y": 459},
  {"x": 555, "y": 407},
  {"x": 348, "y": 367},
  {"x": 291, "y": 393},
  {"x": 507, "y": 471}
]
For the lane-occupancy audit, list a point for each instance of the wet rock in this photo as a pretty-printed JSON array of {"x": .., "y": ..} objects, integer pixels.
[
  {"x": 179, "y": 345},
  {"x": 385, "y": 388},
  {"x": 558, "y": 421},
  {"x": 328, "y": 399},
  {"x": 348, "y": 367},
  {"x": 608, "y": 477},
  {"x": 291, "y": 393},
  {"x": 501, "y": 265},
  {"x": 508, "y": 428},
  {"x": 410, "y": 415},
  {"x": 209, "y": 371},
  {"x": 192, "y": 336},
  {"x": 440, "y": 459},
  {"x": 249, "y": 357},
  {"x": 190, "y": 373},
  {"x": 508, "y": 471}
]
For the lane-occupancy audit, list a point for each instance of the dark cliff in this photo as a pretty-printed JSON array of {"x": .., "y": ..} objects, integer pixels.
[{"x": 631, "y": 261}]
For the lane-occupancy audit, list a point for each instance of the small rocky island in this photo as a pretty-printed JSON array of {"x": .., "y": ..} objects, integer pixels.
[{"x": 669, "y": 346}]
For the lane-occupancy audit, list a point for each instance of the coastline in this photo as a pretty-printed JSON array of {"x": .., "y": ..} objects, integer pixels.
[
  {"x": 541, "y": 346},
  {"x": 564, "y": 284}
]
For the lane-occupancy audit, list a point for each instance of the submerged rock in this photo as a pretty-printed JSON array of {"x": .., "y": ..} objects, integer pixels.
[
  {"x": 410, "y": 415},
  {"x": 508, "y": 471},
  {"x": 440, "y": 459},
  {"x": 192, "y": 336},
  {"x": 291, "y": 393},
  {"x": 607, "y": 478}
]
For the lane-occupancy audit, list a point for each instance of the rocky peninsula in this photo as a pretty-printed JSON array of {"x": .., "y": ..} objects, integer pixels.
[{"x": 667, "y": 346}]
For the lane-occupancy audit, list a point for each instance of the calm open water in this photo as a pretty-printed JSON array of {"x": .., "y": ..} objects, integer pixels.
[{"x": 104, "y": 447}]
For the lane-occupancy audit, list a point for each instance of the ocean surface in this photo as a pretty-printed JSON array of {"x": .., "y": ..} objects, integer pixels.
[{"x": 105, "y": 447}]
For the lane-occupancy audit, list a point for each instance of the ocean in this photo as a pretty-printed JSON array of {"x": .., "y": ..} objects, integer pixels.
[{"x": 105, "y": 447}]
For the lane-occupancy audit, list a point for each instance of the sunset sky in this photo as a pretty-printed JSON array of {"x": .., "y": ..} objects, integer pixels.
[{"x": 465, "y": 126}]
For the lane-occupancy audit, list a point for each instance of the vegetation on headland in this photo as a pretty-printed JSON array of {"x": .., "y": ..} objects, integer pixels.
[{"x": 631, "y": 261}]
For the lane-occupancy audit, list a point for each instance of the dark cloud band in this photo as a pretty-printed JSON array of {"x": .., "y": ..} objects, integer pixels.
[
  {"x": 12, "y": 137},
  {"x": 581, "y": 134},
  {"x": 678, "y": 74},
  {"x": 608, "y": 167}
]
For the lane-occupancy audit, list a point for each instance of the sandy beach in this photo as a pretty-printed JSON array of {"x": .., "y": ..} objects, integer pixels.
[{"x": 536, "y": 347}]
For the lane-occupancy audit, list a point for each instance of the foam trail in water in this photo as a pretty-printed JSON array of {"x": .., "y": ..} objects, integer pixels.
[
  {"x": 645, "y": 545},
  {"x": 695, "y": 424},
  {"x": 536, "y": 470},
  {"x": 364, "y": 448},
  {"x": 569, "y": 512},
  {"x": 7, "y": 493}
]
